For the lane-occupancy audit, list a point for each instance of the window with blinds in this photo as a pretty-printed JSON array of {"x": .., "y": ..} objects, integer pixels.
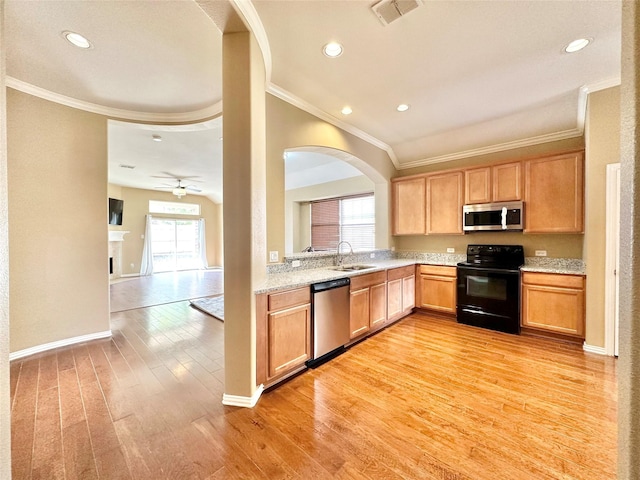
[{"x": 350, "y": 219}]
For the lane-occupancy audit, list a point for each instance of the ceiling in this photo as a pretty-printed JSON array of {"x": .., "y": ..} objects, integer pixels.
[{"x": 478, "y": 75}]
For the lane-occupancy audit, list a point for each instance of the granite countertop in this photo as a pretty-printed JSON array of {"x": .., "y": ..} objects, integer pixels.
[
  {"x": 302, "y": 278},
  {"x": 294, "y": 278},
  {"x": 566, "y": 266}
]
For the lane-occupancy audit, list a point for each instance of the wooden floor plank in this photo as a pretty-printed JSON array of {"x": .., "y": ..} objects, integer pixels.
[{"x": 426, "y": 398}]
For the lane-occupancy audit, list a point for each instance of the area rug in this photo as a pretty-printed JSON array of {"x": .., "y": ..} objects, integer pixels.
[{"x": 213, "y": 306}]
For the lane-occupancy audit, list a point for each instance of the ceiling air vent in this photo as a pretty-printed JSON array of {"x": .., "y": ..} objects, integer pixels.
[{"x": 390, "y": 10}]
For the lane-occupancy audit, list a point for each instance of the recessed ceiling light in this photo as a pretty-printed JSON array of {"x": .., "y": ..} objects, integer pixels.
[
  {"x": 403, "y": 107},
  {"x": 347, "y": 111},
  {"x": 156, "y": 138},
  {"x": 76, "y": 39},
  {"x": 577, "y": 45},
  {"x": 332, "y": 50}
]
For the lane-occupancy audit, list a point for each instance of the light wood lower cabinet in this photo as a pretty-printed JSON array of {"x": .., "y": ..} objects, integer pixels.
[
  {"x": 283, "y": 333},
  {"x": 359, "y": 312},
  {"x": 437, "y": 288},
  {"x": 554, "y": 303},
  {"x": 401, "y": 289},
  {"x": 368, "y": 304}
]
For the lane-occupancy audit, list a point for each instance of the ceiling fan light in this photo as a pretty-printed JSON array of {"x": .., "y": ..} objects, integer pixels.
[{"x": 179, "y": 192}]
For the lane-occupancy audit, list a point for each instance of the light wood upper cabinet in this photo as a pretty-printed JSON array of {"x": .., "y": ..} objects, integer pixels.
[
  {"x": 554, "y": 194},
  {"x": 507, "y": 182},
  {"x": 437, "y": 288},
  {"x": 477, "y": 185},
  {"x": 445, "y": 197},
  {"x": 554, "y": 303},
  {"x": 409, "y": 206},
  {"x": 497, "y": 183}
]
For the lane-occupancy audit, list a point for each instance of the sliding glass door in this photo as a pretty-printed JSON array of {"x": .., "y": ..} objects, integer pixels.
[{"x": 175, "y": 244}]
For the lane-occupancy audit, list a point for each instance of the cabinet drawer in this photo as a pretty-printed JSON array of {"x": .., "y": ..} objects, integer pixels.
[
  {"x": 400, "y": 272},
  {"x": 440, "y": 271},
  {"x": 289, "y": 298},
  {"x": 553, "y": 280},
  {"x": 362, "y": 281}
]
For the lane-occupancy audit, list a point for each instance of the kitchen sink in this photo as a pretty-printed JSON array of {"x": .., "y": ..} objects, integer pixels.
[{"x": 353, "y": 268}]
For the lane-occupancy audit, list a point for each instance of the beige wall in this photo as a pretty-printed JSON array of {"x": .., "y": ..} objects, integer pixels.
[
  {"x": 602, "y": 139},
  {"x": 557, "y": 246},
  {"x": 569, "y": 246},
  {"x": 297, "y": 221},
  {"x": 59, "y": 284},
  {"x": 136, "y": 207},
  {"x": 290, "y": 127}
]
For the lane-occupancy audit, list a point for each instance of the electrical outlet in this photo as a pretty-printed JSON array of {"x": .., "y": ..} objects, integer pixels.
[
  {"x": 132, "y": 266},
  {"x": 541, "y": 253},
  {"x": 273, "y": 256},
  {"x": 295, "y": 263},
  {"x": 451, "y": 250},
  {"x": 372, "y": 255}
]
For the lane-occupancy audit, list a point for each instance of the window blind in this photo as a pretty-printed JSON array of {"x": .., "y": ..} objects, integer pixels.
[{"x": 350, "y": 219}]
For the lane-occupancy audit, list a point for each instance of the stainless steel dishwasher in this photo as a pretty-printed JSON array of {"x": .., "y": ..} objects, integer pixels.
[{"x": 330, "y": 320}]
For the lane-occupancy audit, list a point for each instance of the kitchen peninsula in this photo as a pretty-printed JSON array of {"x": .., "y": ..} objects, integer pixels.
[{"x": 283, "y": 301}]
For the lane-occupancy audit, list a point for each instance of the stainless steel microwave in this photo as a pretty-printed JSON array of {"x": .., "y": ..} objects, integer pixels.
[{"x": 493, "y": 216}]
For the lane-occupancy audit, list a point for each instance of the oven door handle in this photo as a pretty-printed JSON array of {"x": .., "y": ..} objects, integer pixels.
[{"x": 488, "y": 270}]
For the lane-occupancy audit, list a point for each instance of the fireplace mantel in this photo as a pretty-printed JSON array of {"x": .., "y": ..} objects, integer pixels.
[{"x": 117, "y": 235}]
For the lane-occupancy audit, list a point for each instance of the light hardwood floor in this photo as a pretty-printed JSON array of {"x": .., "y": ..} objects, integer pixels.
[{"x": 424, "y": 399}]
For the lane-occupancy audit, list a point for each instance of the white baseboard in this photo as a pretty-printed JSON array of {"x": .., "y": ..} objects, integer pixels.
[
  {"x": 240, "y": 401},
  {"x": 60, "y": 343},
  {"x": 127, "y": 275},
  {"x": 594, "y": 349}
]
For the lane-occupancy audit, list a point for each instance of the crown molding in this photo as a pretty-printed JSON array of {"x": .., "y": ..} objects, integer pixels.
[
  {"x": 526, "y": 142},
  {"x": 213, "y": 110},
  {"x": 321, "y": 114},
  {"x": 609, "y": 83}
]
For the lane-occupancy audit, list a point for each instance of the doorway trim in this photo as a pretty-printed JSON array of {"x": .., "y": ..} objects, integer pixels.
[{"x": 612, "y": 256}]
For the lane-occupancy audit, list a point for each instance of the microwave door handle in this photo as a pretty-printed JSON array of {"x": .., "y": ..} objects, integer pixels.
[{"x": 504, "y": 218}]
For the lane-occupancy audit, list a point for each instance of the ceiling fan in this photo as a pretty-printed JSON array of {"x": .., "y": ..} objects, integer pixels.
[{"x": 178, "y": 190}]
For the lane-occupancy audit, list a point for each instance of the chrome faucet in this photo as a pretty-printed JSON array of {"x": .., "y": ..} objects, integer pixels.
[{"x": 340, "y": 256}]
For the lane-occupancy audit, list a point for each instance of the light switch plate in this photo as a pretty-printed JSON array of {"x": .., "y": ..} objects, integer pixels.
[
  {"x": 541, "y": 253},
  {"x": 273, "y": 256},
  {"x": 295, "y": 263},
  {"x": 451, "y": 250}
]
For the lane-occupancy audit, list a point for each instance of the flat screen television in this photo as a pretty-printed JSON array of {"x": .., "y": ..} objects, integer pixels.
[{"x": 115, "y": 211}]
